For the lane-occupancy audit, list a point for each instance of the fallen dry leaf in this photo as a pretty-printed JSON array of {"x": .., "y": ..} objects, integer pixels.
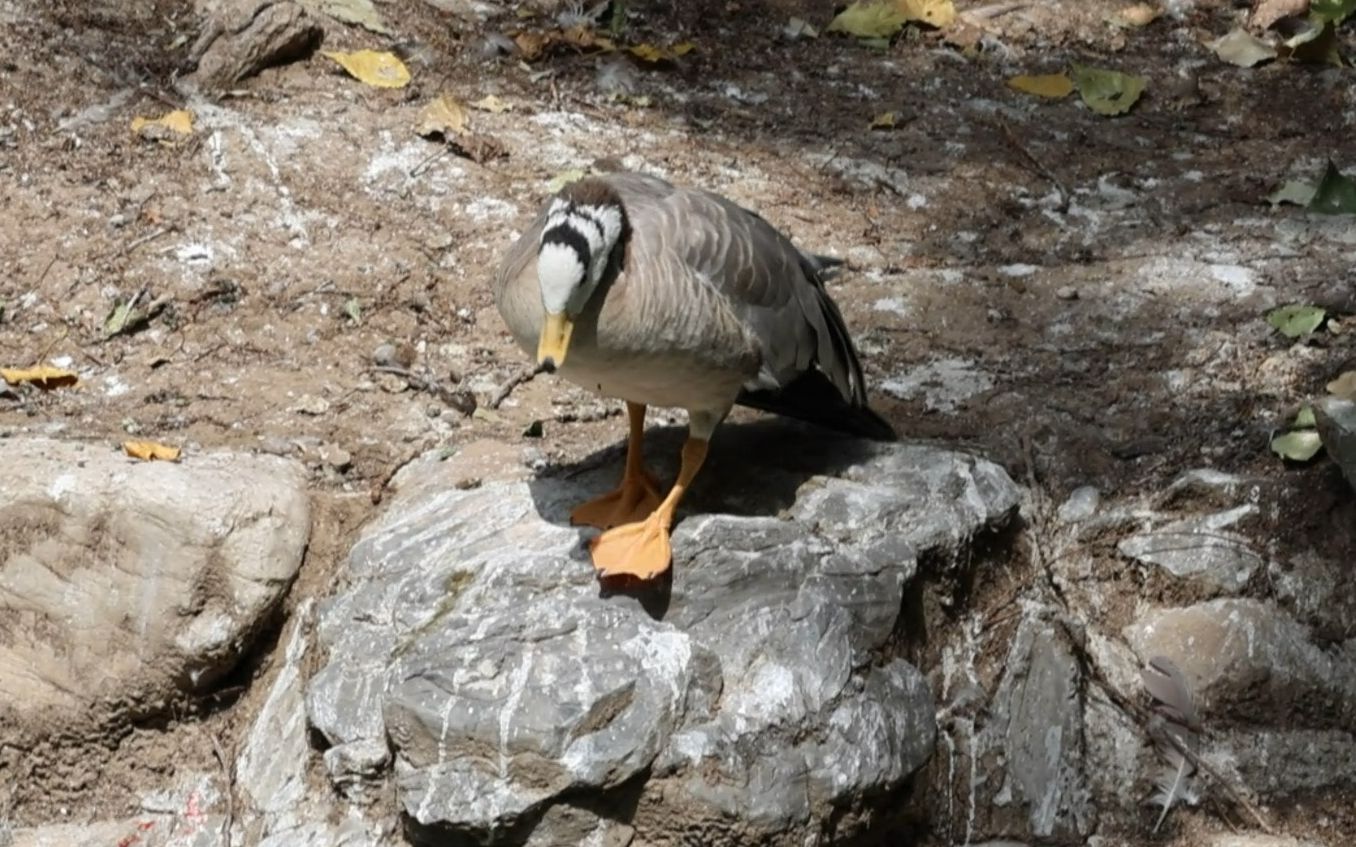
[
  {"x": 491, "y": 103},
  {"x": 532, "y": 44},
  {"x": 43, "y": 376},
  {"x": 151, "y": 451},
  {"x": 1107, "y": 92},
  {"x": 885, "y": 120},
  {"x": 938, "y": 13},
  {"x": 650, "y": 53},
  {"x": 586, "y": 39},
  {"x": 444, "y": 116},
  {"x": 169, "y": 128},
  {"x": 374, "y": 68},
  {"x": 1242, "y": 48},
  {"x": 1139, "y": 14},
  {"x": 868, "y": 19},
  {"x": 1344, "y": 386},
  {"x": 1054, "y": 86}
]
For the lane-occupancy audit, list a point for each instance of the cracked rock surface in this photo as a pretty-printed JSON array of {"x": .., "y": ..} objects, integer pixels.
[{"x": 747, "y": 703}]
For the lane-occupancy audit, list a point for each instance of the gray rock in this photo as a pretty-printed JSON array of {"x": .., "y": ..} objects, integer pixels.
[
  {"x": 741, "y": 706},
  {"x": 1336, "y": 419},
  {"x": 1036, "y": 730},
  {"x": 1234, "y": 839},
  {"x": 1200, "y": 550},
  {"x": 271, "y": 768},
  {"x": 169, "y": 568},
  {"x": 242, "y": 37},
  {"x": 1244, "y": 657},
  {"x": 1081, "y": 505},
  {"x": 357, "y": 768}
]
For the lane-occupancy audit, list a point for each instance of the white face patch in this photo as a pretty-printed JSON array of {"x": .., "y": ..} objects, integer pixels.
[{"x": 560, "y": 274}]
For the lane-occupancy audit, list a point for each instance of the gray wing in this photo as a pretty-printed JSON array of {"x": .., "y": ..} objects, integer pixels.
[{"x": 774, "y": 289}]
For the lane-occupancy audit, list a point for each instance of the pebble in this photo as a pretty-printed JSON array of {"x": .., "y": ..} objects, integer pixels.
[
  {"x": 394, "y": 356},
  {"x": 1080, "y": 506},
  {"x": 1067, "y": 292},
  {"x": 336, "y": 456}
]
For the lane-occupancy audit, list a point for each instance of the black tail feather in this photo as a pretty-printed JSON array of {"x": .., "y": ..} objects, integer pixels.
[{"x": 813, "y": 398}]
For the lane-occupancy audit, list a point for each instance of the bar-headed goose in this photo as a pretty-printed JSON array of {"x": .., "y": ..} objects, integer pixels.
[{"x": 668, "y": 296}]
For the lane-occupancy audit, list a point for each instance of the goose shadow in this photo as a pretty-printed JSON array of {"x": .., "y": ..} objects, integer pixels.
[{"x": 753, "y": 469}]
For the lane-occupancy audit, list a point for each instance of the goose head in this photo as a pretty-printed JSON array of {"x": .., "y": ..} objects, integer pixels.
[{"x": 584, "y": 225}]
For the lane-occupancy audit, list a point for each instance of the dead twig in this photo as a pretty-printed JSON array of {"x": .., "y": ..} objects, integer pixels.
[
  {"x": 378, "y": 490},
  {"x": 524, "y": 376},
  {"x": 228, "y": 774},
  {"x": 1032, "y": 162},
  {"x": 146, "y": 239},
  {"x": 461, "y": 400}
]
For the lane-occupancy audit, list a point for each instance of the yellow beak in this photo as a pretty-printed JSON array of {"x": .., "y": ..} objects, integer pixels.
[{"x": 554, "y": 341}]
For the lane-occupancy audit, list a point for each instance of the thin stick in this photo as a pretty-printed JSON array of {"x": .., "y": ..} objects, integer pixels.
[
  {"x": 228, "y": 774},
  {"x": 164, "y": 230},
  {"x": 378, "y": 489},
  {"x": 524, "y": 376},
  {"x": 1035, "y": 164}
]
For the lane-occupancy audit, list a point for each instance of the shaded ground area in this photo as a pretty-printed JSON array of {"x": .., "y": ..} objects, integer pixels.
[{"x": 1077, "y": 297}]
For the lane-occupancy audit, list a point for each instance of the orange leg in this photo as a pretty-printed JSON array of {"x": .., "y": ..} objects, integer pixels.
[
  {"x": 641, "y": 549},
  {"x": 638, "y": 494}
]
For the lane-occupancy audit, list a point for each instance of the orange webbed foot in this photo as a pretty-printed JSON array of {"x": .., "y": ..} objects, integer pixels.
[
  {"x": 639, "y": 549},
  {"x": 634, "y": 501}
]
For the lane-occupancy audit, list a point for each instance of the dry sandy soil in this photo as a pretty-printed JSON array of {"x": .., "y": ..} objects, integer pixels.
[{"x": 1080, "y": 298}]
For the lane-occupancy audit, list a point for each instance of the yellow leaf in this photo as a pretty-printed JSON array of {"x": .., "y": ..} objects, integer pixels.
[
  {"x": 649, "y": 53},
  {"x": 1140, "y": 14},
  {"x": 150, "y": 450},
  {"x": 167, "y": 129},
  {"x": 43, "y": 376},
  {"x": 442, "y": 116},
  {"x": 377, "y": 69},
  {"x": 1043, "y": 85},
  {"x": 869, "y": 19},
  {"x": 885, "y": 120},
  {"x": 938, "y": 13},
  {"x": 585, "y": 38},
  {"x": 531, "y": 44},
  {"x": 490, "y": 103},
  {"x": 1344, "y": 386}
]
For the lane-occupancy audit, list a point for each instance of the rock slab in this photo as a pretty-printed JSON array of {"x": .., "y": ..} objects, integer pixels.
[
  {"x": 750, "y": 703},
  {"x": 124, "y": 583}
]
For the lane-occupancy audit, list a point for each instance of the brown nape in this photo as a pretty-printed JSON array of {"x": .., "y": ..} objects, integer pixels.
[{"x": 591, "y": 191}]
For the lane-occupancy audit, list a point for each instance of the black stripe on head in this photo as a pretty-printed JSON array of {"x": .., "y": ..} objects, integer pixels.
[
  {"x": 571, "y": 238},
  {"x": 584, "y": 213}
]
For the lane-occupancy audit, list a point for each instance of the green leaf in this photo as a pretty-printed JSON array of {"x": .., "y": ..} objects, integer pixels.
[
  {"x": 1296, "y": 320},
  {"x": 1305, "y": 419},
  {"x": 563, "y": 179},
  {"x": 1107, "y": 92},
  {"x": 1332, "y": 11},
  {"x": 354, "y": 310},
  {"x": 124, "y": 318},
  {"x": 869, "y": 19},
  {"x": 1300, "y": 446},
  {"x": 1335, "y": 195},
  {"x": 1299, "y": 193}
]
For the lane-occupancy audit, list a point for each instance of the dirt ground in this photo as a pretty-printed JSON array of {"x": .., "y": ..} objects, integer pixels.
[{"x": 1079, "y": 297}]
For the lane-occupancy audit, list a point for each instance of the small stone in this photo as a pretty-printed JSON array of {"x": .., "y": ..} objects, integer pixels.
[
  {"x": 276, "y": 445},
  {"x": 1066, "y": 292},
  {"x": 312, "y": 405},
  {"x": 336, "y": 457},
  {"x": 118, "y": 221},
  {"x": 1080, "y": 506},
  {"x": 400, "y": 355}
]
